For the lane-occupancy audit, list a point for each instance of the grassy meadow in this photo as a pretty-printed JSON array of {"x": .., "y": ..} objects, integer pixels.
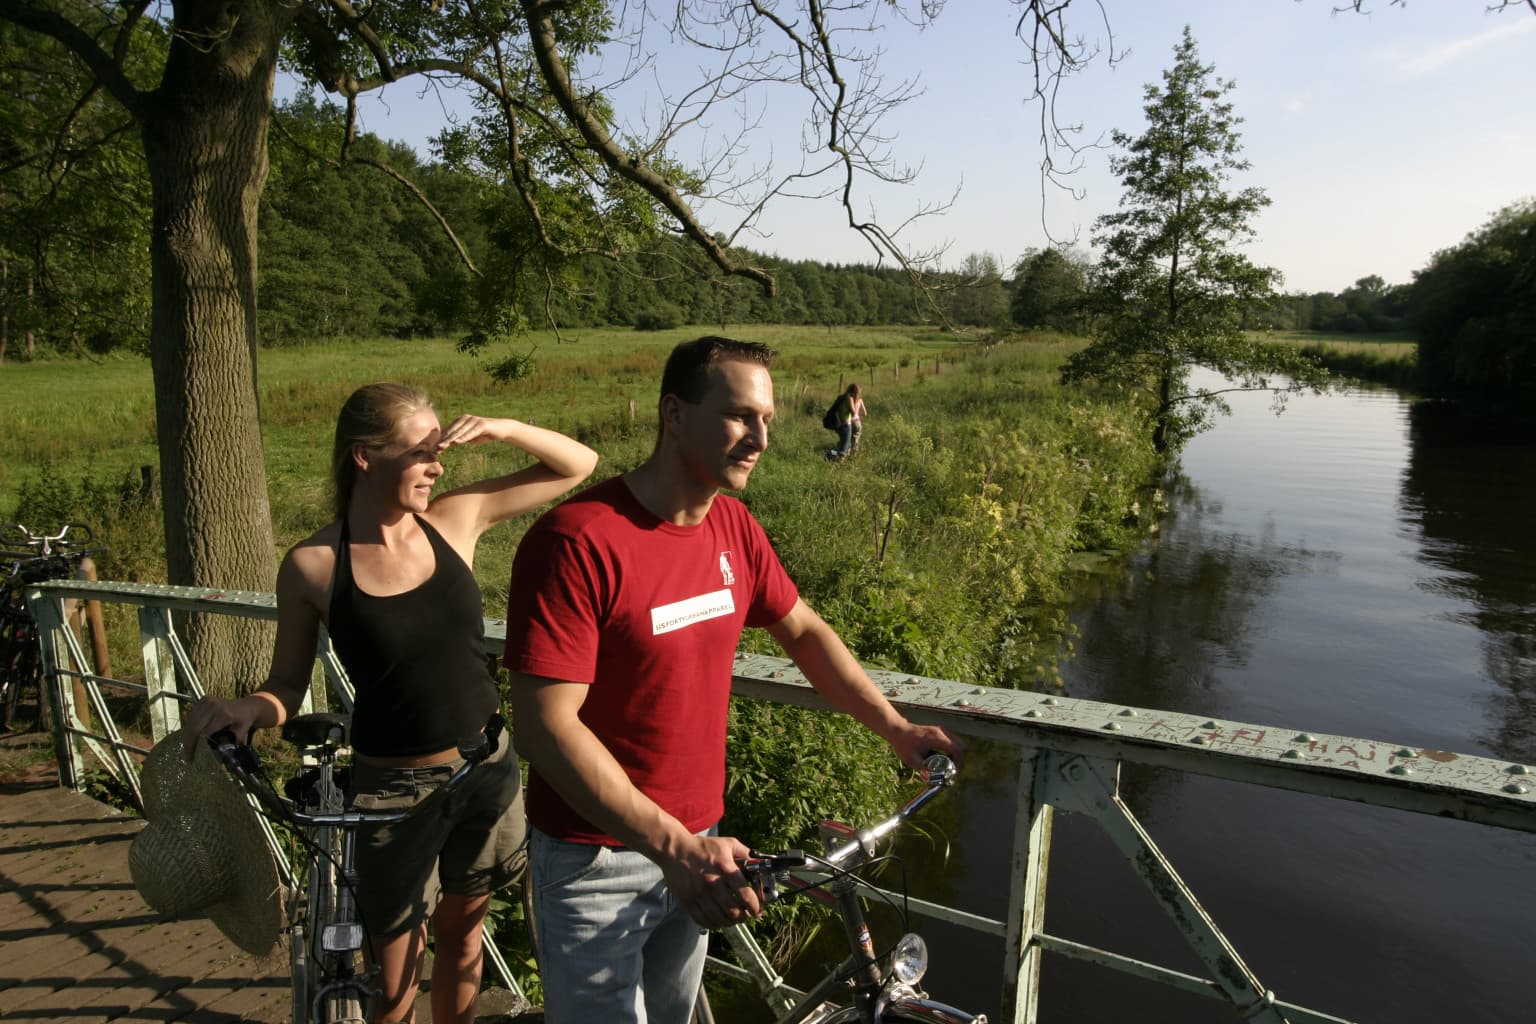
[
  {"x": 940, "y": 548},
  {"x": 1390, "y": 359}
]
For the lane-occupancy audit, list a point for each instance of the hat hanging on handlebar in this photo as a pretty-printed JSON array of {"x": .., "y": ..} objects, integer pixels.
[{"x": 203, "y": 852}]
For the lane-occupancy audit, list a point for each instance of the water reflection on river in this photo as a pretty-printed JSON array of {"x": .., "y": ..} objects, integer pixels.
[{"x": 1345, "y": 568}]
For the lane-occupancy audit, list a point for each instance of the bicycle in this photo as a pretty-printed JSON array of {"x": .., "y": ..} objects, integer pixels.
[
  {"x": 30, "y": 558},
  {"x": 884, "y": 984},
  {"x": 326, "y": 933}
]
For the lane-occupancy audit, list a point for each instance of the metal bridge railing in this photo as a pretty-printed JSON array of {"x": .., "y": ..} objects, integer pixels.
[{"x": 1070, "y": 756}]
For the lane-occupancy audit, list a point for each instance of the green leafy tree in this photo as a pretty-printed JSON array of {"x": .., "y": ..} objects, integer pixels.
[
  {"x": 976, "y": 296},
  {"x": 1174, "y": 291},
  {"x": 1050, "y": 287},
  {"x": 1474, "y": 308},
  {"x": 404, "y": 275},
  {"x": 577, "y": 179},
  {"x": 74, "y": 203}
]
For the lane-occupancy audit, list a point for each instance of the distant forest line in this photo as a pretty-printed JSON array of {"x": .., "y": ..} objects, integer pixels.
[{"x": 346, "y": 250}]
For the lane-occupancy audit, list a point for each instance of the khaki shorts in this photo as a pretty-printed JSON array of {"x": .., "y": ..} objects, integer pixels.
[{"x": 470, "y": 843}]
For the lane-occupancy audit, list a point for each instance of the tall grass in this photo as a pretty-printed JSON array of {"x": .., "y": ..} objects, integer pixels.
[
  {"x": 942, "y": 547},
  {"x": 1388, "y": 359}
]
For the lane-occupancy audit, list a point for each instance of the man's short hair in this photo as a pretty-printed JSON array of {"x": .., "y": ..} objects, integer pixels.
[{"x": 687, "y": 371}]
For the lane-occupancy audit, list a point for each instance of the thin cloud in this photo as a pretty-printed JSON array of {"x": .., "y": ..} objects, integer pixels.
[{"x": 1438, "y": 57}]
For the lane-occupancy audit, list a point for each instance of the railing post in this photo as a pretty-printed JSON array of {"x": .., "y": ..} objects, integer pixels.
[
  {"x": 49, "y": 616},
  {"x": 159, "y": 671},
  {"x": 1026, "y": 896}
]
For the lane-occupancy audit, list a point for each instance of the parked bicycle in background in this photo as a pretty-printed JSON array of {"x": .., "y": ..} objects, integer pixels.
[{"x": 28, "y": 557}]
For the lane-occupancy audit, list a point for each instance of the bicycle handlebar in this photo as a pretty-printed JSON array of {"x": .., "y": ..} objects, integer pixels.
[
  {"x": 43, "y": 543},
  {"x": 938, "y": 771},
  {"x": 241, "y": 761}
]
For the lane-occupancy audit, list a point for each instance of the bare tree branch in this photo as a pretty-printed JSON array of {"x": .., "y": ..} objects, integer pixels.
[{"x": 631, "y": 167}]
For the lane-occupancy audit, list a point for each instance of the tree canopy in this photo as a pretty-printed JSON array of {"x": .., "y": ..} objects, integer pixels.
[
  {"x": 74, "y": 201},
  {"x": 1174, "y": 291},
  {"x": 1049, "y": 289},
  {"x": 573, "y": 180},
  {"x": 1475, "y": 308}
]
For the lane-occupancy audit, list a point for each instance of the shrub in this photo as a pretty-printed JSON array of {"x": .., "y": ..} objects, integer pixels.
[{"x": 659, "y": 318}]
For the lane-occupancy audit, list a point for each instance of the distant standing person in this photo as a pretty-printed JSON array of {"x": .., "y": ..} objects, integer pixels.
[
  {"x": 846, "y": 409},
  {"x": 859, "y": 414},
  {"x": 626, "y": 608}
]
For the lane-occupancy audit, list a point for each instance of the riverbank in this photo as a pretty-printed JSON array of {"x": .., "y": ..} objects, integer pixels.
[{"x": 1391, "y": 360}]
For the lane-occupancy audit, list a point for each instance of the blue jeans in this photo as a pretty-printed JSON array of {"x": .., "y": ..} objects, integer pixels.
[
  {"x": 614, "y": 946},
  {"x": 844, "y": 440}
]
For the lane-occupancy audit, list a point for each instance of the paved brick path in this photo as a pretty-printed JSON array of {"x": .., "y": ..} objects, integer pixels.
[{"x": 78, "y": 944}]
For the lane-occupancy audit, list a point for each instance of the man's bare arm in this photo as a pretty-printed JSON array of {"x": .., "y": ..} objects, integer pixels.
[
  {"x": 701, "y": 871},
  {"x": 837, "y": 675}
]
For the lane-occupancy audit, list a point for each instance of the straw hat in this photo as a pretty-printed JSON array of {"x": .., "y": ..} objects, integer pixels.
[{"x": 203, "y": 852}]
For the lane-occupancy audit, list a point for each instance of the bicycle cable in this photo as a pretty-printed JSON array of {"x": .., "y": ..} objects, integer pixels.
[
  {"x": 300, "y": 836},
  {"x": 903, "y": 911}
]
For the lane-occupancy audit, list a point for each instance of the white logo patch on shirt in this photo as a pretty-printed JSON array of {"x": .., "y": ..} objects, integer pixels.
[{"x": 684, "y": 613}]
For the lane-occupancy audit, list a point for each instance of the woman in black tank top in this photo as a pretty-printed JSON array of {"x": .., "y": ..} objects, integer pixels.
[{"x": 391, "y": 580}]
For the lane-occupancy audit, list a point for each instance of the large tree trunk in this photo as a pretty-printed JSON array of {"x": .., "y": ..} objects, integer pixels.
[
  {"x": 205, "y": 140},
  {"x": 31, "y": 336}
]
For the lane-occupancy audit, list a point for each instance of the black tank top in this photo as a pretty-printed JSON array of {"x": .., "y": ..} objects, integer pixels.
[{"x": 416, "y": 660}]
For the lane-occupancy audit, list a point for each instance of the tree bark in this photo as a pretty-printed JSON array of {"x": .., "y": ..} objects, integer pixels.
[
  {"x": 205, "y": 142},
  {"x": 31, "y": 336}
]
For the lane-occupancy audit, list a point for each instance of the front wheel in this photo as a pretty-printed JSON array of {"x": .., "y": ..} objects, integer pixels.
[
  {"x": 925, "y": 1011},
  {"x": 342, "y": 1008},
  {"x": 298, "y": 968},
  {"x": 23, "y": 670}
]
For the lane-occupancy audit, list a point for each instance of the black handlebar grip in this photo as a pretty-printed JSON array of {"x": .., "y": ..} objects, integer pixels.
[{"x": 487, "y": 743}]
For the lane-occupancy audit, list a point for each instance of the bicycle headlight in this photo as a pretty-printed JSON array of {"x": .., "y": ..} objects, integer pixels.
[
  {"x": 342, "y": 938},
  {"x": 910, "y": 961}
]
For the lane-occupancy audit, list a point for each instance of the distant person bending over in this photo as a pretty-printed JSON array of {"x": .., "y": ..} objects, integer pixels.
[
  {"x": 390, "y": 579},
  {"x": 628, "y": 602},
  {"x": 847, "y": 408}
]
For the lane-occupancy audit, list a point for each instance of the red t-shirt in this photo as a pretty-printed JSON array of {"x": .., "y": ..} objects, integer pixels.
[{"x": 650, "y": 615}]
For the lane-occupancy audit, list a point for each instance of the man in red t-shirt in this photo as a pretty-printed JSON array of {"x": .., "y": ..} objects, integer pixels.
[{"x": 627, "y": 605}]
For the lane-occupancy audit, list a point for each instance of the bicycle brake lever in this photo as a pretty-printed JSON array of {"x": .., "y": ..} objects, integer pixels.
[{"x": 240, "y": 754}]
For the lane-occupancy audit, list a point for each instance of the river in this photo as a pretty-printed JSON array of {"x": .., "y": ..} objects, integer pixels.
[{"x": 1355, "y": 567}]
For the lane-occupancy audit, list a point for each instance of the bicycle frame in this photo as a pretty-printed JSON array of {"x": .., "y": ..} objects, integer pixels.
[
  {"x": 879, "y": 995},
  {"x": 325, "y": 935},
  {"x": 36, "y": 556},
  {"x": 337, "y": 990}
]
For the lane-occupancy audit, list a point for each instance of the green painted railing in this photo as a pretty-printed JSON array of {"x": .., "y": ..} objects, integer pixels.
[{"x": 1070, "y": 752}]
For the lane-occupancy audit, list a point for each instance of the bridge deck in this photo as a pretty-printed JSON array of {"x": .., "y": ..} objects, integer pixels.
[{"x": 78, "y": 944}]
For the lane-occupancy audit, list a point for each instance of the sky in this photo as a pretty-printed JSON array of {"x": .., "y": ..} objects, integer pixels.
[{"x": 1379, "y": 138}]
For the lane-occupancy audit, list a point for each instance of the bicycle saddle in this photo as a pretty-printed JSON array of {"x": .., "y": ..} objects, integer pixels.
[{"x": 315, "y": 729}]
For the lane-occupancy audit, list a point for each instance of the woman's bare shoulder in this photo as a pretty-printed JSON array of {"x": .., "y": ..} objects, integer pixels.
[{"x": 310, "y": 563}]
